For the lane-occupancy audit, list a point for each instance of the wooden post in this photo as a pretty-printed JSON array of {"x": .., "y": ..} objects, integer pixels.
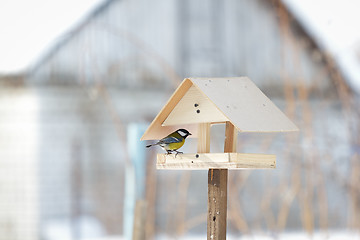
[
  {"x": 217, "y": 204},
  {"x": 203, "y": 138},
  {"x": 230, "y": 138},
  {"x": 217, "y": 191}
]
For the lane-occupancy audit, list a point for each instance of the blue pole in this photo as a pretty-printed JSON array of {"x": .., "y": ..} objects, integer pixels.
[{"x": 135, "y": 175}]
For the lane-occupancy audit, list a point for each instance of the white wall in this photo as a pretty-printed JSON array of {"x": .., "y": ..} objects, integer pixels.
[{"x": 19, "y": 148}]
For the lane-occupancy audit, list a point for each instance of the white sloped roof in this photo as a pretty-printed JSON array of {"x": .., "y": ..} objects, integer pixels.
[
  {"x": 245, "y": 105},
  {"x": 216, "y": 100}
]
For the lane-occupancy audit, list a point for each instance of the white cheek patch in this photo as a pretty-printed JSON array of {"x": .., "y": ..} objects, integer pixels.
[{"x": 183, "y": 134}]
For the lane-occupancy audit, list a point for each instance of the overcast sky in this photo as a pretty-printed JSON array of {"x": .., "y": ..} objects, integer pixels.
[{"x": 29, "y": 27}]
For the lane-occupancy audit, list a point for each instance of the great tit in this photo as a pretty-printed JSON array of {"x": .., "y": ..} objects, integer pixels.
[{"x": 172, "y": 142}]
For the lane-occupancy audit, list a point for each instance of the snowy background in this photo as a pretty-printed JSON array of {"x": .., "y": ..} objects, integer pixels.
[{"x": 81, "y": 80}]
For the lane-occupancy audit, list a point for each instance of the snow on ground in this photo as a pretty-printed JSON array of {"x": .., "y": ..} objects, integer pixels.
[{"x": 338, "y": 235}]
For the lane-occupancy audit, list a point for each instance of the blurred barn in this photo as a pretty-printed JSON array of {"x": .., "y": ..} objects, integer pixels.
[{"x": 64, "y": 123}]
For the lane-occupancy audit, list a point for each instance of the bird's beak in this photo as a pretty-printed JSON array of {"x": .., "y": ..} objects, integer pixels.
[{"x": 190, "y": 134}]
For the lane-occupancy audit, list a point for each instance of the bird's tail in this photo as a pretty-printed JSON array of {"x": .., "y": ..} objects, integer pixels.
[{"x": 154, "y": 144}]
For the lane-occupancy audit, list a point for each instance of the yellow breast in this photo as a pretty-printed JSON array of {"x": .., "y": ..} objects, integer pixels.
[{"x": 175, "y": 146}]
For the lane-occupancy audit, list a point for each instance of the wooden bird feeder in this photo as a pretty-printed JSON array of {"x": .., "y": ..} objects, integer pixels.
[{"x": 197, "y": 104}]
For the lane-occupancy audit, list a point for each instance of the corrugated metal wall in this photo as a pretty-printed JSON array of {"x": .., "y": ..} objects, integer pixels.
[{"x": 140, "y": 44}]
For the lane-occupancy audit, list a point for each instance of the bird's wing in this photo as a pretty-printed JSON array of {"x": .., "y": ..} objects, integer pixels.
[{"x": 168, "y": 140}]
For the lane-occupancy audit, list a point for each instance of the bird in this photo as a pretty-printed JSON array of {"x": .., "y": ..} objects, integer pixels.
[{"x": 172, "y": 142}]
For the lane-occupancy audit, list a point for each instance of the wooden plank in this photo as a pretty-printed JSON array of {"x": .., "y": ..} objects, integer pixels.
[
  {"x": 244, "y": 104},
  {"x": 203, "y": 138},
  {"x": 156, "y": 130},
  {"x": 194, "y": 107},
  {"x": 194, "y": 157},
  {"x": 204, "y": 161},
  {"x": 217, "y": 204},
  {"x": 251, "y": 160},
  {"x": 238, "y": 99},
  {"x": 230, "y": 138}
]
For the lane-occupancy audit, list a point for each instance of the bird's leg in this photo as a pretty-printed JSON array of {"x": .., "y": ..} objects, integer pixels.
[
  {"x": 168, "y": 152},
  {"x": 177, "y": 152}
]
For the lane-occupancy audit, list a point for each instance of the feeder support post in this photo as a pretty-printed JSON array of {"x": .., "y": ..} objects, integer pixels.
[
  {"x": 230, "y": 138},
  {"x": 217, "y": 191}
]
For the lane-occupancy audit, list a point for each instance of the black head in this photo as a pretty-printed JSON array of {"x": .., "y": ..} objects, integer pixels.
[{"x": 183, "y": 132}]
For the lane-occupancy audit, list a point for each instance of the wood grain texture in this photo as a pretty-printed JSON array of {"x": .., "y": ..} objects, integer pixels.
[
  {"x": 230, "y": 138},
  {"x": 156, "y": 130},
  {"x": 237, "y": 99},
  {"x": 203, "y": 145},
  {"x": 194, "y": 107},
  {"x": 244, "y": 104},
  {"x": 217, "y": 204},
  {"x": 204, "y": 161}
]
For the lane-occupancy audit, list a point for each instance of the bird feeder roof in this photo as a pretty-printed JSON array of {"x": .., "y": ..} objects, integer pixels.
[{"x": 217, "y": 100}]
